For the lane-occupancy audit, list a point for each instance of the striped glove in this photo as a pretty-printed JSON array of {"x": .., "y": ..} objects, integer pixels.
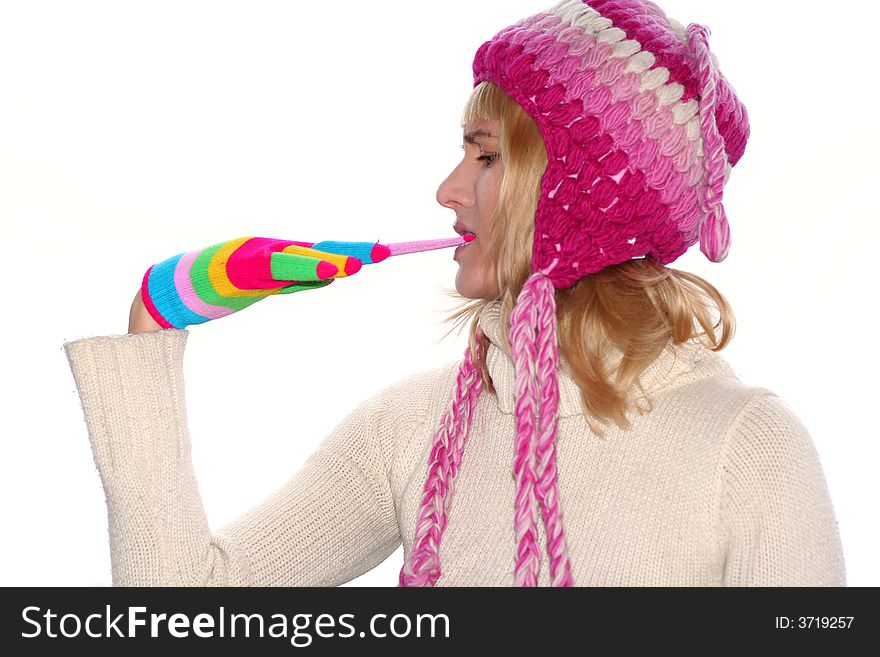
[{"x": 196, "y": 287}]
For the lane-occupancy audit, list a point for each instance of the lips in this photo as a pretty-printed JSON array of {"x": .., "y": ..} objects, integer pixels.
[{"x": 462, "y": 230}]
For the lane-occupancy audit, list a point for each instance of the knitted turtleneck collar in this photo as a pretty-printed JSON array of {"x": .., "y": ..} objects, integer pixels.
[{"x": 677, "y": 365}]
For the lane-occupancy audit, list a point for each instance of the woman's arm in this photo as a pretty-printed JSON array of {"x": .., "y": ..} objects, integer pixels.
[
  {"x": 139, "y": 320},
  {"x": 333, "y": 521},
  {"x": 777, "y": 521}
]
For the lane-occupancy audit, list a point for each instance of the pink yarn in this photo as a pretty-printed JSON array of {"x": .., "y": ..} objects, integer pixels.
[
  {"x": 188, "y": 294},
  {"x": 715, "y": 232},
  {"x": 423, "y": 566},
  {"x": 623, "y": 179},
  {"x": 537, "y": 402},
  {"x": 535, "y": 359},
  {"x": 522, "y": 339},
  {"x": 545, "y": 450}
]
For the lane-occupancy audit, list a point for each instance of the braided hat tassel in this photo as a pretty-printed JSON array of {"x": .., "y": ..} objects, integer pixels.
[
  {"x": 423, "y": 566},
  {"x": 537, "y": 401},
  {"x": 522, "y": 339},
  {"x": 715, "y": 231},
  {"x": 545, "y": 450}
]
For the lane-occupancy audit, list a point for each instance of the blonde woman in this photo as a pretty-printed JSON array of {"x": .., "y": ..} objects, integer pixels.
[{"x": 591, "y": 435}]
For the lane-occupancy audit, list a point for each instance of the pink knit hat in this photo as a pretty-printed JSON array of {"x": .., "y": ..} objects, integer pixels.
[{"x": 641, "y": 131}]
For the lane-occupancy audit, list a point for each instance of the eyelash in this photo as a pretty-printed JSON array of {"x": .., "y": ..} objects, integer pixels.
[{"x": 487, "y": 158}]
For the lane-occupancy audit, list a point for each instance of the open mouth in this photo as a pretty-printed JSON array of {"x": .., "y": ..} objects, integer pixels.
[{"x": 469, "y": 236}]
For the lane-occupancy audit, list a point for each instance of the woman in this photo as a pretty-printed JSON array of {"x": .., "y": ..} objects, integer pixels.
[{"x": 593, "y": 435}]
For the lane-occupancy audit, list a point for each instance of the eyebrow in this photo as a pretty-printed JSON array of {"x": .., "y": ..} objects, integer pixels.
[{"x": 472, "y": 136}]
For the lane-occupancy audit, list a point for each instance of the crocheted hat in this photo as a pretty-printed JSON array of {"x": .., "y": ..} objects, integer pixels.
[{"x": 641, "y": 131}]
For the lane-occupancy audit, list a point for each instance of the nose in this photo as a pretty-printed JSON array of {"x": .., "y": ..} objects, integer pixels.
[{"x": 456, "y": 191}]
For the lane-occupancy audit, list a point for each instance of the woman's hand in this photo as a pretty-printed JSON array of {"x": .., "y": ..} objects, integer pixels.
[{"x": 198, "y": 286}]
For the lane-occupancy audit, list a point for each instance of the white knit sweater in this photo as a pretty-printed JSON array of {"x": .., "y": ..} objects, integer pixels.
[{"x": 720, "y": 484}]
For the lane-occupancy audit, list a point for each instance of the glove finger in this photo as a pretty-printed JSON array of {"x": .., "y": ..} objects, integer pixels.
[
  {"x": 347, "y": 265},
  {"x": 367, "y": 252},
  {"x": 291, "y": 267}
]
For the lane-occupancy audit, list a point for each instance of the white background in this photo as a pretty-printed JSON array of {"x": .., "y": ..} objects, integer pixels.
[{"x": 132, "y": 131}]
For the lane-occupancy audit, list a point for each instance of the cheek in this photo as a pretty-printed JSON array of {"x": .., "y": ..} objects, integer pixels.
[{"x": 489, "y": 193}]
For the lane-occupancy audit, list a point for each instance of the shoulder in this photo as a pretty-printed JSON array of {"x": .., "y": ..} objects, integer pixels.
[
  {"x": 767, "y": 413},
  {"x": 693, "y": 380},
  {"x": 746, "y": 422},
  {"x": 769, "y": 454},
  {"x": 418, "y": 388},
  {"x": 755, "y": 428},
  {"x": 768, "y": 436},
  {"x": 777, "y": 523},
  {"x": 749, "y": 415}
]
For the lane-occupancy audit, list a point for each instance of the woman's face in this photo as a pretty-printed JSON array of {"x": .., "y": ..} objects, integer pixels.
[{"x": 472, "y": 191}]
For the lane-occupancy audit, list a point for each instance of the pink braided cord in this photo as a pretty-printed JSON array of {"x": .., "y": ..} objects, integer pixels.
[
  {"x": 537, "y": 393},
  {"x": 547, "y": 489},
  {"x": 423, "y": 566},
  {"x": 522, "y": 337},
  {"x": 715, "y": 231}
]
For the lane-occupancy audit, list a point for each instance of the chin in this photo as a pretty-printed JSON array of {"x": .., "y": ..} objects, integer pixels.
[{"x": 470, "y": 289}]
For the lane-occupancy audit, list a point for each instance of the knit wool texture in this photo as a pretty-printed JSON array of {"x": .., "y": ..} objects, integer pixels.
[
  {"x": 719, "y": 485},
  {"x": 199, "y": 286},
  {"x": 641, "y": 131}
]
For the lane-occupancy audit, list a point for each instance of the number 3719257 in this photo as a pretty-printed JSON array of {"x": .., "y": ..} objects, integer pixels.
[{"x": 815, "y": 622}]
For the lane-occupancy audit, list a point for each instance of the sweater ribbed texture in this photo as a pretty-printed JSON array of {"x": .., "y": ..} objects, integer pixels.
[{"x": 719, "y": 485}]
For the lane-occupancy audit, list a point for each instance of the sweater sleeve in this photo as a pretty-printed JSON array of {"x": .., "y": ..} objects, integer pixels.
[
  {"x": 777, "y": 521},
  {"x": 333, "y": 521}
]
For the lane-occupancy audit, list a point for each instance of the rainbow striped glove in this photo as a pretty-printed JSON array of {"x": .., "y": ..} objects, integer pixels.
[{"x": 196, "y": 287}]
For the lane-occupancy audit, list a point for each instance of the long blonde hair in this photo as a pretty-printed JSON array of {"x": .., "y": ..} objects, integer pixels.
[{"x": 637, "y": 306}]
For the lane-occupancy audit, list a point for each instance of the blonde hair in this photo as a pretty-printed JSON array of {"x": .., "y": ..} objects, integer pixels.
[{"x": 637, "y": 306}]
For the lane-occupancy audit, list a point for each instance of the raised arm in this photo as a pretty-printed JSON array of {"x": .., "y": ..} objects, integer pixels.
[{"x": 331, "y": 522}]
